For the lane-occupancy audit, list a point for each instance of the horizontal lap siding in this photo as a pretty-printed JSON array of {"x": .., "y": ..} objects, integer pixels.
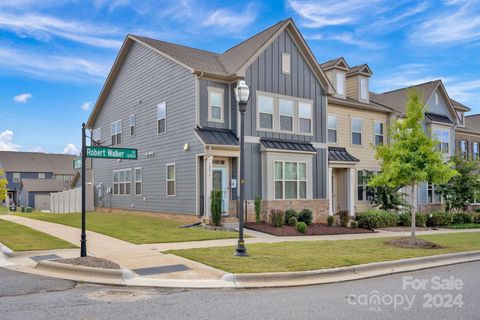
[{"x": 146, "y": 78}]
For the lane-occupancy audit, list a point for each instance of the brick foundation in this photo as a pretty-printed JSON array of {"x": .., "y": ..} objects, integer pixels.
[{"x": 431, "y": 207}]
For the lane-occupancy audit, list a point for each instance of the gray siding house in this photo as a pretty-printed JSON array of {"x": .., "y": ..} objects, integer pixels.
[{"x": 177, "y": 106}]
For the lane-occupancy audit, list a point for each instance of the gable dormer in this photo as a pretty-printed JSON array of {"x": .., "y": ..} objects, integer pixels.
[
  {"x": 358, "y": 83},
  {"x": 336, "y": 71}
]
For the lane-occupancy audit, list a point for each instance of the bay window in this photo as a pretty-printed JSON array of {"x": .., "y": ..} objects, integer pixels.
[{"x": 290, "y": 180}]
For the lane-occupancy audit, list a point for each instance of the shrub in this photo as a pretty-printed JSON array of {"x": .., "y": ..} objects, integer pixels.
[
  {"x": 292, "y": 222},
  {"x": 344, "y": 218},
  {"x": 216, "y": 206},
  {"x": 258, "y": 208},
  {"x": 305, "y": 216},
  {"x": 289, "y": 214},
  {"x": 439, "y": 219},
  {"x": 476, "y": 217},
  {"x": 462, "y": 218},
  {"x": 301, "y": 227},
  {"x": 477, "y": 210},
  {"x": 405, "y": 219},
  {"x": 375, "y": 219},
  {"x": 278, "y": 218},
  {"x": 330, "y": 220},
  {"x": 420, "y": 220},
  {"x": 354, "y": 224}
]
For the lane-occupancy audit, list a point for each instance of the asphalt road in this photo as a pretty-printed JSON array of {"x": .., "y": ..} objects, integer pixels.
[{"x": 443, "y": 293}]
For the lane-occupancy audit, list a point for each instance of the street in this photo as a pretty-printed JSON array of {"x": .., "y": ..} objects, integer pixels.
[{"x": 443, "y": 293}]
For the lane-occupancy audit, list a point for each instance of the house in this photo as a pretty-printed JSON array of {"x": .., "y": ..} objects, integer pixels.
[
  {"x": 355, "y": 125},
  {"x": 177, "y": 106},
  {"x": 441, "y": 119},
  {"x": 467, "y": 133},
  {"x": 44, "y": 167}
]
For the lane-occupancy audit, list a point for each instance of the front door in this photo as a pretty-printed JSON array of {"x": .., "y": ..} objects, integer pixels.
[{"x": 219, "y": 176}]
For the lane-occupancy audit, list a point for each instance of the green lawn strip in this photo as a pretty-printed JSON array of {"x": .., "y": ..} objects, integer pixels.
[
  {"x": 134, "y": 228},
  {"x": 313, "y": 255},
  {"x": 465, "y": 226},
  {"x": 21, "y": 238}
]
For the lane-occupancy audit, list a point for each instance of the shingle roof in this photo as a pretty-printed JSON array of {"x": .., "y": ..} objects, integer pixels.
[
  {"x": 340, "y": 154},
  {"x": 45, "y": 185},
  {"x": 281, "y": 144},
  {"x": 359, "y": 68},
  {"x": 459, "y": 106},
  {"x": 359, "y": 105},
  {"x": 216, "y": 136},
  {"x": 438, "y": 117},
  {"x": 330, "y": 63},
  {"x": 473, "y": 121},
  {"x": 15, "y": 161}
]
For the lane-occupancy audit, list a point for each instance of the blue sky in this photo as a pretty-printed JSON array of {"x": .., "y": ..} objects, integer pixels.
[{"x": 55, "y": 54}]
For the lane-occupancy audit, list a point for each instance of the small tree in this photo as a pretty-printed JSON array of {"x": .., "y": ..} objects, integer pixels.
[
  {"x": 411, "y": 158},
  {"x": 460, "y": 190},
  {"x": 388, "y": 198},
  {"x": 3, "y": 185}
]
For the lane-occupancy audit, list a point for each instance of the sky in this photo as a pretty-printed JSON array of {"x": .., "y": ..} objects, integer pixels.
[{"x": 56, "y": 54}]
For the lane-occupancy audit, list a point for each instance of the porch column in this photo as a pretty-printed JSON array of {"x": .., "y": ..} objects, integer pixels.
[
  {"x": 208, "y": 162},
  {"x": 330, "y": 191},
  {"x": 351, "y": 193}
]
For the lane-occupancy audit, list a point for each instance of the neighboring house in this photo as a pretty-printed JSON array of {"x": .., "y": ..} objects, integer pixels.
[
  {"x": 441, "y": 119},
  {"x": 177, "y": 106},
  {"x": 467, "y": 133},
  {"x": 355, "y": 126},
  {"x": 36, "y": 192},
  {"x": 19, "y": 166}
]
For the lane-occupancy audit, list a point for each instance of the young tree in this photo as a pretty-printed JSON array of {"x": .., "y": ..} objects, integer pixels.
[
  {"x": 460, "y": 190},
  {"x": 3, "y": 186},
  {"x": 411, "y": 158}
]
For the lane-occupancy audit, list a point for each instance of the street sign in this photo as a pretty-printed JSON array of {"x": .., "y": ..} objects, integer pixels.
[
  {"x": 111, "y": 153},
  {"x": 77, "y": 163}
]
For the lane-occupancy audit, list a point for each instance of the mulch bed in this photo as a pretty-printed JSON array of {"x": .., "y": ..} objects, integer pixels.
[
  {"x": 315, "y": 229},
  {"x": 413, "y": 243},
  {"x": 90, "y": 262}
]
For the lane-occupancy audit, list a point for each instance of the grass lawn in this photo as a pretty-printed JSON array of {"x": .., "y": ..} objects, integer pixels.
[
  {"x": 21, "y": 238},
  {"x": 312, "y": 255},
  {"x": 465, "y": 226},
  {"x": 134, "y": 228}
]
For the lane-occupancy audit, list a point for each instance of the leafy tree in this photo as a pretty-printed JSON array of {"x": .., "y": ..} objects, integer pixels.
[
  {"x": 411, "y": 158},
  {"x": 460, "y": 190},
  {"x": 3, "y": 185},
  {"x": 387, "y": 198}
]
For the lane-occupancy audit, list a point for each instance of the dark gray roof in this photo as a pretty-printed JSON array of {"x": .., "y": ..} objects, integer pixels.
[
  {"x": 459, "y": 105},
  {"x": 473, "y": 121},
  {"x": 43, "y": 185},
  {"x": 340, "y": 154},
  {"x": 281, "y": 144},
  {"x": 217, "y": 136},
  {"x": 329, "y": 64},
  {"x": 17, "y": 161},
  {"x": 438, "y": 117},
  {"x": 358, "y": 69}
]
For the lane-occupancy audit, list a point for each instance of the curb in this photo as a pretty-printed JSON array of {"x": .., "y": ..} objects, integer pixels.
[{"x": 6, "y": 251}]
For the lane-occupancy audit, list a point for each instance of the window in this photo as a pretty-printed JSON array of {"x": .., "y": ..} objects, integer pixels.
[
  {"x": 286, "y": 114},
  {"x": 436, "y": 98},
  {"x": 286, "y": 65},
  {"x": 461, "y": 118},
  {"x": 265, "y": 109},
  {"x": 67, "y": 179},
  {"x": 97, "y": 135},
  {"x": 443, "y": 138},
  {"x": 432, "y": 195},
  {"x": 356, "y": 124},
  {"x": 378, "y": 129},
  {"x": 122, "y": 182},
  {"x": 464, "y": 149},
  {"x": 332, "y": 128},
  {"x": 215, "y": 104},
  {"x": 340, "y": 81},
  {"x": 171, "y": 179},
  {"x": 138, "y": 181},
  {"x": 131, "y": 121},
  {"x": 363, "y": 89},
  {"x": 41, "y": 175},
  {"x": 290, "y": 180},
  {"x": 476, "y": 154},
  {"x": 116, "y": 132},
  {"x": 162, "y": 117},
  {"x": 16, "y": 177},
  {"x": 305, "y": 117},
  {"x": 364, "y": 192}
]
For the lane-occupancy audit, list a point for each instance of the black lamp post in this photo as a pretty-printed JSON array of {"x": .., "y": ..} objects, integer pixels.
[{"x": 242, "y": 93}]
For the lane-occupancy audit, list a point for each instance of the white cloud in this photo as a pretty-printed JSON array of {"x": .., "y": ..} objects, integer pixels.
[
  {"x": 86, "y": 106},
  {"x": 348, "y": 38},
  {"x": 71, "y": 149},
  {"x": 22, "y": 98},
  {"x": 465, "y": 91},
  {"x": 38, "y": 149},
  {"x": 6, "y": 143},
  {"x": 228, "y": 19}
]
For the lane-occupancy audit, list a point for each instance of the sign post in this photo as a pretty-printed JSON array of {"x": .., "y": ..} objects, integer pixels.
[{"x": 83, "y": 241}]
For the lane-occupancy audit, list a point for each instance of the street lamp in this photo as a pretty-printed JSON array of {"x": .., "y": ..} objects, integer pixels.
[{"x": 242, "y": 93}]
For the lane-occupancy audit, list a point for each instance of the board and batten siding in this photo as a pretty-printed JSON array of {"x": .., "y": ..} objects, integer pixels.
[
  {"x": 203, "y": 89},
  {"x": 145, "y": 79}
]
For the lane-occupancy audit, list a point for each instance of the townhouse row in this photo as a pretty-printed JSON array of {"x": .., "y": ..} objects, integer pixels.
[{"x": 310, "y": 128}]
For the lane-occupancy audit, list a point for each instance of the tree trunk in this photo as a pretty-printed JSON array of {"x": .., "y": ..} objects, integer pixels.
[{"x": 414, "y": 208}]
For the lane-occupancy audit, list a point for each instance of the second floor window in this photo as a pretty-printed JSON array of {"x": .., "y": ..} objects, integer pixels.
[
  {"x": 332, "y": 128},
  {"x": 131, "y": 121},
  {"x": 16, "y": 177},
  {"x": 464, "y": 149},
  {"x": 116, "y": 132},
  {"x": 286, "y": 114},
  {"x": 363, "y": 89},
  {"x": 304, "y": 117},
  {"x": 162, "y": 117},
  {"x": 340, "y": 81},
  {"x": 215, "y": 104},
  {"x": 443, "y": 138},
  {"x": 356, "y": 125},
  {"x": 41, "y": 175},
  {"x": 476, "y": 154},
  {"x": 265, "y": 112},
  {"x": 378, "y": 133}
]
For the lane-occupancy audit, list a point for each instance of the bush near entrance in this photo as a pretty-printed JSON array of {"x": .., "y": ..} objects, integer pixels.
[
  {"x": 278, "y": 218},
  {"x": 376, "y": 219},
  {"x": 216, "y": 206}
]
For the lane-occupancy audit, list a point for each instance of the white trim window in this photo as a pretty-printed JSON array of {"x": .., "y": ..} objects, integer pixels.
[
  {"x": 162, "y": 117},
  {"x": 131, "y": 121},
  {"x": 122, "y": 182},
  {"x": 475, "y": 151},
  {"x": 138, "y": 181},
  {"x": 436, "y": 99},
  {"x": 171, "y": 179},
  {"x": 332, "y": 128},
  {"x": 116, "y": 132},
  {"x": 305, "y": 117},
  {"x": 286, "y": 63},
  {"x": 378, "y": 132},
  {"x": 364, "y": 192},
  {"x": 464, "y": 149},
  {"x": 265, "y": 112},
  {"x": 286, "y": 114},
  {"x": 443, "y": 138},
  {"x": 340, "y": 79},
  {"x": 97, "y": 135},
  {"x": 290, "y": 179},
  {"x": 41, "y": 175},
  {"x": 215, "y": 104},
  {"x": 16, "y": 177},
  {"x": 432, "y": 195},
  {"x": 364, "y": 89},
  {"x": 356, "y": 128}
]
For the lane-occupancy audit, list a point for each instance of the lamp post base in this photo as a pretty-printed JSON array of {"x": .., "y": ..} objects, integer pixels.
[{"x": 241, "y": 250}]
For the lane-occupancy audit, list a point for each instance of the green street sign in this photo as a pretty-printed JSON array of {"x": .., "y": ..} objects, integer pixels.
[
  {"x": 77, "y": 163},
  {"x": 112, "y": 153}
]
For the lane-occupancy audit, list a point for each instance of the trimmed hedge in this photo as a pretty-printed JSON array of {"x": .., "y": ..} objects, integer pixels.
[
  {"x": 375, "y": 219},
  {"x": 405, "y": 219},
  {"x": 330, "y": 221},
  {"x": 278, "y": 218},
  {"x": 292, "y": 222},
  {"x": 302, "y": 227},
  {"x": 344, "y": 218},
  {"x": 289, "y": 214},
  {"x": 216, "y": 206},
  {"x": 462, "y": 218},
  {"x": 354, "y": 224},
  {"x": 439, "y": 219},
  {"x": 305, "y": 216}
]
